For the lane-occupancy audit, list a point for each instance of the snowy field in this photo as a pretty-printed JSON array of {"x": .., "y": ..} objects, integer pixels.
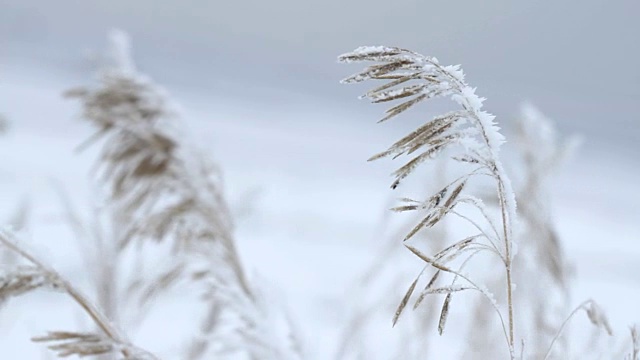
[{"x": 308, "y": 209}]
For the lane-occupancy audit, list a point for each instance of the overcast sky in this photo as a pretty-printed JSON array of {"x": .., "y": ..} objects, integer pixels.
[{"x": 579, "y": 61}]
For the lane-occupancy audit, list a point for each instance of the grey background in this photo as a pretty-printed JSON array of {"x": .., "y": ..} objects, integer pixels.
[
  {"x": 258, "y": 81},
  {"x": 577, "y": 60}
]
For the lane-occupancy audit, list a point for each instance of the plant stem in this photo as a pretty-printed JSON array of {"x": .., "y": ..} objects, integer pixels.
[
  {"x": 500, "y": 175},
  {"x": 566, "y": 321},
  {"x": 507, "y": 260},
  {"x": 98, "y": 318}
]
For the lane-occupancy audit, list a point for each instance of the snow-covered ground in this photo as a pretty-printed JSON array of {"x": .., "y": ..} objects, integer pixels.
[{"x": 308, "y": 207}]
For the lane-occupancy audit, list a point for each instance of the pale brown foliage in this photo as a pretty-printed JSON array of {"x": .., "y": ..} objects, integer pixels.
[
  {"x": 166, "y": 191},
  {"x": 38, "y": 275},
  {"x": 414, "y": 78}
]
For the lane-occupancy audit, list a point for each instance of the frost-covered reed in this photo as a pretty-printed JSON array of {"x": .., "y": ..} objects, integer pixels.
[
  {"x": 471, "y": 138},
  {"x": 37, "y": 275},
  {"x": 166, "y": 191},
  {"x": 414, "y": 78}
]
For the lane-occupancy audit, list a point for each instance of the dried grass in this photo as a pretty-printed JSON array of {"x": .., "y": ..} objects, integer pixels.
[
  {"x": 595, "y": 314},
  {"x": 635, "y": 343},
  {"x": 541, "y": 152},
  {"x": 417, "y": 78},
  {"x": 162, "y": 191},
  {"x": 37, "y": 275},
  {"x": 370, "y": 292},
  {"x": 474, "y": 140},
  {"x": 167, "y": 192}
]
